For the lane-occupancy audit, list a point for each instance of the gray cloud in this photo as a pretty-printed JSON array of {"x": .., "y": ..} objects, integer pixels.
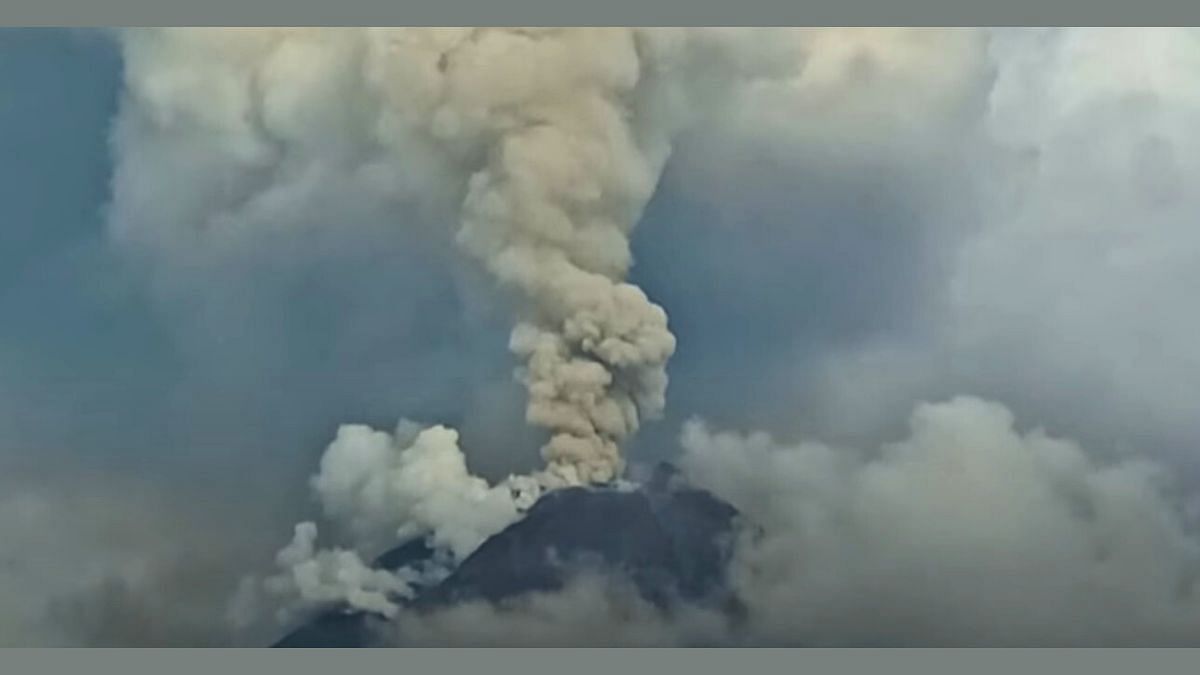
[{"x": 94, "y": 557}]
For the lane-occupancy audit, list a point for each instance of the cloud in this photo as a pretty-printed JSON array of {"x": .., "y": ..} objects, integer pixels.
[
  {"x": 592, "y": 610},
  {"x": 1011, "y": 225},
  {"x": 887, "y": 216},
  {"x": 966, "y": 532},
  {"x": 1094, "y": 217},
  {"x": 385, "y": 487},
  {"x": 104, "y": 559},
  {"x": 821, "y": 215}
]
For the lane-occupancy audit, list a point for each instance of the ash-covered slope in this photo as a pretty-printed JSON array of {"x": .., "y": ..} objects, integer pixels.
[{"x": 672, "y": 541}]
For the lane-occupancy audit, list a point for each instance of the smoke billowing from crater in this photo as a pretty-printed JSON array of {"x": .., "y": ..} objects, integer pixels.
[
  {"x": 911, "y": 214},
  {"x": 553, "y": 140}
]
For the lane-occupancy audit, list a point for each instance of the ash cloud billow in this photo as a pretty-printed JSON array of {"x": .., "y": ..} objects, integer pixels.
[
  {"x": 922, "y": 297},
  {"x": 966, "y": 532},
  {"x": 553, "y": 140}
]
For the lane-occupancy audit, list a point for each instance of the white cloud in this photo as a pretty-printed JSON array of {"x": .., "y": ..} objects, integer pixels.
[{"x": 967, "y": 532}]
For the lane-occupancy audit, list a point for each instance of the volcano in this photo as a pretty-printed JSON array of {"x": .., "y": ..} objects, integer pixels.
[{"x": 671, "y": 541}]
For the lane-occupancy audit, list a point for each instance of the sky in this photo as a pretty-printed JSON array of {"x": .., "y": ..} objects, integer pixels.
[{"x": 193, "y": 304}]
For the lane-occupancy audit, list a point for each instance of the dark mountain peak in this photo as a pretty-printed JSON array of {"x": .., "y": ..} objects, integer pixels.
[{"x": 670, "y": 540}]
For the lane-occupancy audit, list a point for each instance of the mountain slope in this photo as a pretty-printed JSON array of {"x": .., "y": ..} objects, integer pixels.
[{"x": 671, "y": 541}]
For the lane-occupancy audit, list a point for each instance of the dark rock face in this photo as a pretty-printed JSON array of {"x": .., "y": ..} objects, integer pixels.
[
  {"x": 335, "y": 629},
  {"x": 673, "y": 542}
]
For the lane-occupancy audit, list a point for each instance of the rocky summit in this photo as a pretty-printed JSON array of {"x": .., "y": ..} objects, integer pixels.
[{"x": 671, "y": 541}]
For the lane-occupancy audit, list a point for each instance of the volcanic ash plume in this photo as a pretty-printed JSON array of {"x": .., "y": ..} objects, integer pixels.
[
  {"x": 565, "y": 175},
  {"x": 548, "y": 142},
  {"x": 574, "y": 127}
]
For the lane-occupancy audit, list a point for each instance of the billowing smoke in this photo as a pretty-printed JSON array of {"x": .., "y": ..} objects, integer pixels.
[
  {"x": 312, "y": 578},
  {"x": 967, "y": 532},
  {"x": 382, "y": 488},
  {"x": 592, "y": 610},
  {"x": 552, "y": 139},
  {"x": 564, "y": 179},
  {"x": 534, "y": 152},
  {"x": 412, "y": 482},
  {"x": 570, "y": 130},
  {"x": 100, "y": 558}
]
